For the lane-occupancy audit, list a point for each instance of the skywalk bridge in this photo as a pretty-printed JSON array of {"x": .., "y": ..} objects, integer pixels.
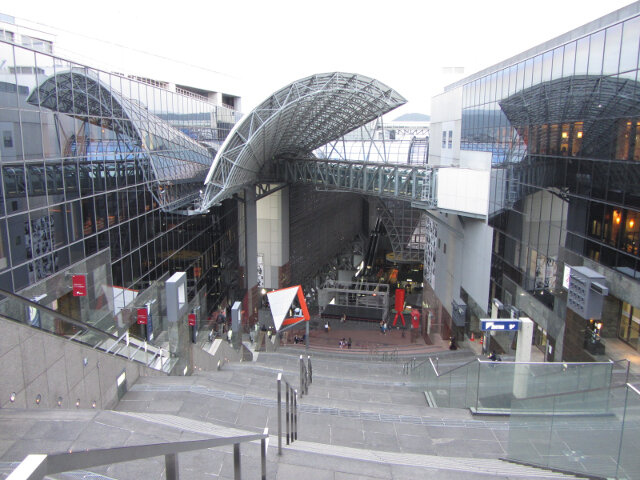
[{"x": 411, "y": 183}]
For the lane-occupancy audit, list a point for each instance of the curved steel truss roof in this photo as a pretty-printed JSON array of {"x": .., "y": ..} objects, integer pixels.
[
  {"x": 178, "y": 163},
  {"x": 293, "y": 122}
]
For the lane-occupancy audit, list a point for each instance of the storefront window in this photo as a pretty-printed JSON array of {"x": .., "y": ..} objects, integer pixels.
[{"x": 630, "y": 325}]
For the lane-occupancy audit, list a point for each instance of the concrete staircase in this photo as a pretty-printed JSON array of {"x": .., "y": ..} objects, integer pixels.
[{"x": 361, "y": 420}]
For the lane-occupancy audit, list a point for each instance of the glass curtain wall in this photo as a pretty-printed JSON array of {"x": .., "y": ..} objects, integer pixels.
[
  {"x": 93, "y": 161},
  {"x": 563, "y": 128}
]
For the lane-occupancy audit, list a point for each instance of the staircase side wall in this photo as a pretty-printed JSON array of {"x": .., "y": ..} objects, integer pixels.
[
  {"x": 220, "y": 351},
  {"x": 39, "y": 363}
]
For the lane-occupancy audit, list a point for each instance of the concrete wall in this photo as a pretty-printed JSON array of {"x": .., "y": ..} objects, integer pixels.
[
  {"x": 449, "y": 260},
  {"x": 446, "y": 115},
  {"x": 476, "y": 261},
  {"x": 273, "y": 234},
  {"x": 220, "y": 350},
  {"x": 38, "y": 363}
]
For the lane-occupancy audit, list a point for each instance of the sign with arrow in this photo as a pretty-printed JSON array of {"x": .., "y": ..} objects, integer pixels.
[{"x": 494, "y": 324}]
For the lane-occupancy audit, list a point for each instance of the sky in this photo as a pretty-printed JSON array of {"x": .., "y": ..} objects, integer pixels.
[{"x": 253, "y": 48}]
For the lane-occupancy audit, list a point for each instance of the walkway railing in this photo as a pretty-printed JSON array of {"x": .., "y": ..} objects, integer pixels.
[
  {"x": 407, "y": 367},
  {"x": 489, "y": 387},
  {"x": 36, "y": 467},
  {"x": 291, "y": 412}
]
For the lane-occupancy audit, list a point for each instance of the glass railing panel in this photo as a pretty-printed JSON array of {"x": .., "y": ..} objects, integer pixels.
[
  {"x": 588, "y": 442},
  {"x": 530, "y": 426},
  {"x": 471, "y": 391},
  {"x": 455, "y": 387},
  {"x": 496, "y": 384},
  {"x": 574, "y": 432},
  {"x": 629, "y": 459},
  {"x": 20, "y": 310}
]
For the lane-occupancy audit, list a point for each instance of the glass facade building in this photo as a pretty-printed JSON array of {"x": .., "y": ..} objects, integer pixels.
[
  {"x": 94, "y": 163},
  {"x": 562, "y": 123}
]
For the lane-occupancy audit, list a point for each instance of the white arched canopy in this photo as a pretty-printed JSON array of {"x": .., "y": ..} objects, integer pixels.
[{"x": 293, "y": 122}]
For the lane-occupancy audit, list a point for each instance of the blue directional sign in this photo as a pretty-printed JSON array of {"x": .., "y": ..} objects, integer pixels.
[{"x": 506, "y": 324}]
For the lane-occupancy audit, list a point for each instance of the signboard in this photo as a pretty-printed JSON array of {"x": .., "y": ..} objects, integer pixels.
[
  {"x": 79, "y": 285},
  {"x": 280, "y": 303},
  {"x": 494, "y": 324},
  {"x": 143, "y": 315},
  {"x": 192, "y": 319}
]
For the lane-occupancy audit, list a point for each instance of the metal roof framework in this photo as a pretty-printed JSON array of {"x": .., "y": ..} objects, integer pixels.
[
  {"x": 292, "y": 123},
  {"x": 177, "y": 163}
]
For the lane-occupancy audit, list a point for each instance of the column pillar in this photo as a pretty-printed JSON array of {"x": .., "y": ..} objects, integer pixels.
[
  {"x": 251, "y": 260},
  {"x": 523, "y": 354}
]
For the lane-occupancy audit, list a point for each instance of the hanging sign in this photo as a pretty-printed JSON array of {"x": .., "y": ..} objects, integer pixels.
[
  {"x": 143, "y": 315},
  {"x": 79, "y": 285},
  {"x": 192, "y": 319}
]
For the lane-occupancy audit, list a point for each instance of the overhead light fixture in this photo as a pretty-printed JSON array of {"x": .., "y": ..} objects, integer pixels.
[
  {"x": 59, "y": 402},
  {"x": 12, "y": 397},
  {"x": 38, "y": 399},
  {"x": 631, "y": 223},
  {"x": 579, "y": 135}
]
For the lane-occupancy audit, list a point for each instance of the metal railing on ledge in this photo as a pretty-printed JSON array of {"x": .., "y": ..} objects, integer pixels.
[
  {"x": 19, "y": 309},
  {"x": 291, "y": 412},
  {"x": 408, "y": 366},
  {"x": 36, "y": 467}
]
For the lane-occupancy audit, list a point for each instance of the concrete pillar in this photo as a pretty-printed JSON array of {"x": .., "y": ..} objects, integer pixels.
[
  {"x": 251, "y": 262},
  {"x": 236, "y": 321},
  {"x": 177, "y": 327},
  {"x": 251, "y": 238},
  {"x": 523, "y": 354},
  {"x": 273, "y": 235}
]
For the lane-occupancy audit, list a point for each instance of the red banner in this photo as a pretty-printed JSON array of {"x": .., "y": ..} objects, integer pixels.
[
  {"x": 192, "y": 319},
  {"x": 143, "y": 315},
  {"x": 79, "y": 285}
]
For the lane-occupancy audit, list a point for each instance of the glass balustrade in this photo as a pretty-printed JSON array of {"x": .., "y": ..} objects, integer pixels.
[
  {"x": 490, "y": 387},
  {"x": 594, "y": 432},
  {"x": 18, "y": 309}
]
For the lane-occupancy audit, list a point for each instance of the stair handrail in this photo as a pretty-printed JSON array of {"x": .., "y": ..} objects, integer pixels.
[
  {"x": 291, "y": 413},
  {"x": 77, "y": 323},
  {"x": 37, "y": 466}
]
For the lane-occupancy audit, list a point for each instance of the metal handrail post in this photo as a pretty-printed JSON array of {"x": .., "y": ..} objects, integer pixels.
[
  {"x": 477, "y": 386},
  {"x": 171, "y": 466},
  {"x": 288, "y": 417},
  {"x": 236, "y": 462},
  {"x": 310, "y": 373},
  {"x": 295, "y": 414},
  {"x": 263, "y": 454},
  {"x": 301, "y": 376},
  {"x": 279, "y": 382}
]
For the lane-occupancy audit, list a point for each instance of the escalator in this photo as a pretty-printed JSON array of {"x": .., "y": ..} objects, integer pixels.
[{"x": 372, "y": 248}]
